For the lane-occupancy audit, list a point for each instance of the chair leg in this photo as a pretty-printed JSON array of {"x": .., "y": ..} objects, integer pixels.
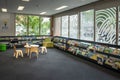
[
  {"x": 30, "y": 55},
  {"x": 45, "y": 50},
  {"x": 27, "y": 51},
  {"x": 14, "y": 54},
  {"x": 42, "y": 50},
  {"x": 37, "y": 54},
  {"x": 17, "y": 55},
  {"x": 39, "y": 50},
  {"x": 21, "y": 54}
]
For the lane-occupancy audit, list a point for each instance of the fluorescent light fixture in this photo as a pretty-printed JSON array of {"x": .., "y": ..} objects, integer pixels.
[
  {"x": 26, "y": 0},
  {"x": 20, "y": 7},
  {"x": 62, "y": 7},
  {"x": 4, "y": 10},
  {"x": 43, "y": 12}
]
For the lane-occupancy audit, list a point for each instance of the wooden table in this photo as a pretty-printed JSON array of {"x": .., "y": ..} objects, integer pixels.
[{"x": 31, "y": 48}]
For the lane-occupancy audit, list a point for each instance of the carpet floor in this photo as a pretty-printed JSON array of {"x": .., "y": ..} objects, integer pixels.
[{"x": 55, "y": 65}]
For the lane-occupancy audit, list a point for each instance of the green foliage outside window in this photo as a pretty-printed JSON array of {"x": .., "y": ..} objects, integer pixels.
[
  {"x": 21, "y": 25},
  {"x": 45, "y": 26},
  {"x": 32, "y": 25}
]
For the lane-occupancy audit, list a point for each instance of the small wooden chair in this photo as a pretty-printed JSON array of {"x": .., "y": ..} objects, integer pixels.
[
  {"x": 17, "y": 52},
  {"x": 34, "y": 49},
  {"x": 43, "y": 49}
]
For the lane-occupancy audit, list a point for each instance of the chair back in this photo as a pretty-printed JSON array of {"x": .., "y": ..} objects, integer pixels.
[{"x": 14, "y": 47}]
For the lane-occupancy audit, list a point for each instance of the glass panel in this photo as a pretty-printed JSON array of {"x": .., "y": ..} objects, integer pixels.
[
  {"x": 33, "y": 25},
  {"x": 57, "y": 26},
  {"x": 65, "y": 26},
  {"x": 21, "y": 25},
  {"x": 106, "y": 25},
  {"x": 73, "y": 26},
  {"x": 45, "y": 26},
  {"x": 87, "y": 25}
]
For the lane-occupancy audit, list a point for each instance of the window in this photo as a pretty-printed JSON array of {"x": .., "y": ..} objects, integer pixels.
[
  {"x": 57, "y": 26},
  {"x": 87, "y": 25},
  {"x": 106, "y": 25},
  {"x": 21, "y": 25},
  {"x": 74, "y": 26},
  {"x": 33, "y": 25},
  {"x": 65, "y": 26},
  {"x": 45, "y": 26}
]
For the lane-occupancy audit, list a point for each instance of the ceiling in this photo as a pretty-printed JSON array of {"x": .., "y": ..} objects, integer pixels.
[{"x": 38, "y": 6}]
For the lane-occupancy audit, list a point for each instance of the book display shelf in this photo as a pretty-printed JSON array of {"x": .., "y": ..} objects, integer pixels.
[
  {"x": 106, "y": 55},
  {"x": 21, "y": 40}
]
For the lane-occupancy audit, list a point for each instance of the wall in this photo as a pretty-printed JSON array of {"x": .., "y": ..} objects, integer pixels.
[{"x": 9, "y": 29}]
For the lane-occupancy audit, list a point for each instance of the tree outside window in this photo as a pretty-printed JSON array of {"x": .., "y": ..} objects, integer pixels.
[{"x": 32, "y": 25}]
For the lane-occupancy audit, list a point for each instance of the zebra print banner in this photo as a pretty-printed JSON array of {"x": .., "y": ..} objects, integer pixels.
[{"x": 106, "y": 25}]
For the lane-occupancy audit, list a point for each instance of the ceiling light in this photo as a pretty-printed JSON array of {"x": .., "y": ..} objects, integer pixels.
[
  {"x": 26, "y": 0},
  {"x": 20, "y": 7},
  {"x": 4, "y": 10},
  {"x": 43, "y": 12},
  {"x": 62, "y": 7}
]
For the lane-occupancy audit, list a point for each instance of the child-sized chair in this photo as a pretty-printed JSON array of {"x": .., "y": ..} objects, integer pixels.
[
  {"x": 34, "y": 49},
  {"x": 17, "y": 52},
  {"x": 43, "y": 49}
]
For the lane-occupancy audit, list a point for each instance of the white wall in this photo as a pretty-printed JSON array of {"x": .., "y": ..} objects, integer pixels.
[{"x": 9, "y": 30}]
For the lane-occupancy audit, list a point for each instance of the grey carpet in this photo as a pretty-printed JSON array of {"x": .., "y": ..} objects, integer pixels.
[{"x": 55, "y": 65}]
